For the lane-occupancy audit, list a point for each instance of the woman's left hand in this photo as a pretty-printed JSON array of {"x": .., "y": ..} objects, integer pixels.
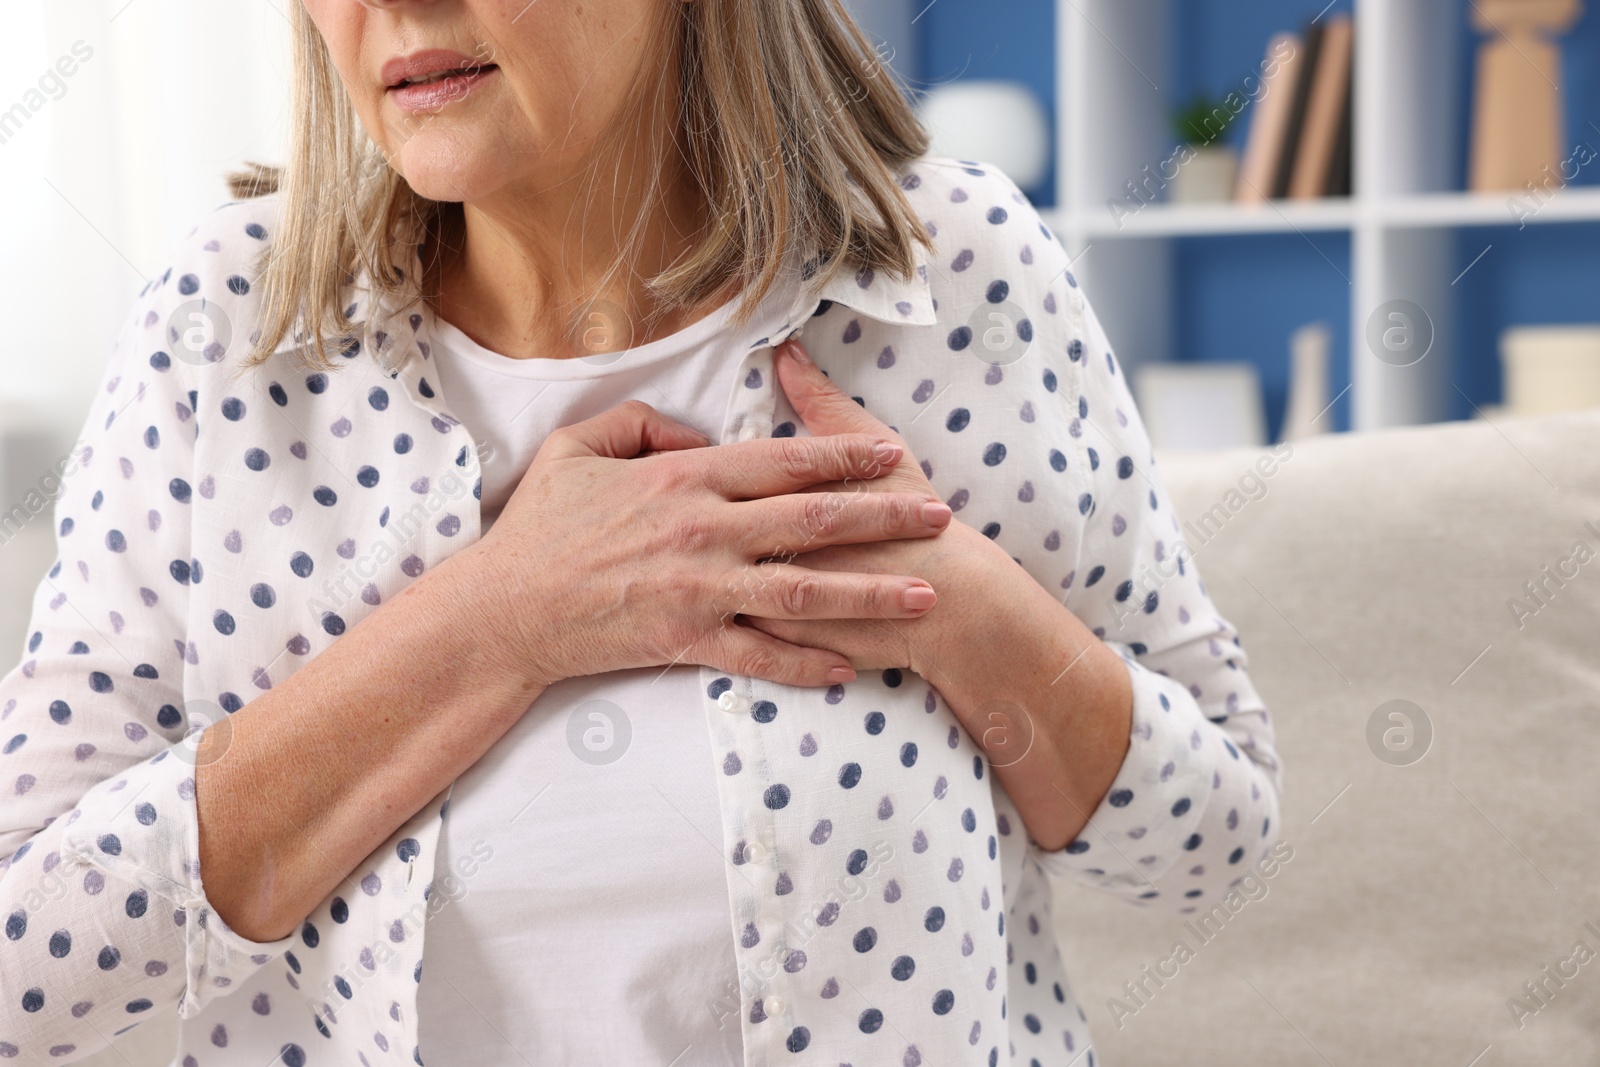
[
  {"x": 972, "y": 576},
  {"x": 995, "y": 645}
]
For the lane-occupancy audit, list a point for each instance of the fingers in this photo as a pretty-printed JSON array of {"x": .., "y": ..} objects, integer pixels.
[
  {"x": 803, "y": 522},
  {"x": 750, "y": 470},
  {"x": 821, "y": 405},
  {"x": 778, "y": 590},
  {"x": 745, "y": 650},
  {"x": 624, "y": 432}
]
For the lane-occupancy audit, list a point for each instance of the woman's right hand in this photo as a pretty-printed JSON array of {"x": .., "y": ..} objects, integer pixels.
[{"x": 628, "y": 543}]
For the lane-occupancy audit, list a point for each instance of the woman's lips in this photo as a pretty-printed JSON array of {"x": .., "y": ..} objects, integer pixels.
[{"x": 433, "y": 95}]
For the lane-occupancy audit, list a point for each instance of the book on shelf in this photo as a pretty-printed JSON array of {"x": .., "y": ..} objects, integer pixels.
[
  {"x": 1299, "y": 97},
  {"x": 1339, "y": 180},
  {"x": 1264, "y": 142},
  {"x": 1299, "y": 142},
  {"x": 1327, "y": 109}
]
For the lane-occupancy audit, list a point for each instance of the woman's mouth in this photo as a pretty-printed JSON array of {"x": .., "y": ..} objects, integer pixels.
[{"x": 428, "y": 81}]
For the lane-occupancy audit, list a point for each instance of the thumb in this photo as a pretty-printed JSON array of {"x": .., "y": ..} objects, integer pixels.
[{"x": 624, "y": 432}]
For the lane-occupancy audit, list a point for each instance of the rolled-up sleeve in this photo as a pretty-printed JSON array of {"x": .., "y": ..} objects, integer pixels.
[
  {"x": 1195, "y": 802},
  {"x": 106, "y": 920}
]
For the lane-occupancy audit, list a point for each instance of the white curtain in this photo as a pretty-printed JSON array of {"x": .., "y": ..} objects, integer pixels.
[
  {"x": 123, "y": 158},
  {"x": 118, "y": 119}
]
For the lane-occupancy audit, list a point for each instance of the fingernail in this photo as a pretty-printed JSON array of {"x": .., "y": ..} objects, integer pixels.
[
  {"x": 936, "y": 513},
  {"x": 797, "y": 353},
  {"x": 886, "y": 451},
  {"x": 918, "y": 598},
  {"x": 841, "y": 674}
]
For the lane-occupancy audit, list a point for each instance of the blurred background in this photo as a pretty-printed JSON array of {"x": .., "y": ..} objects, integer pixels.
[{"x": 1292, "y": 218}]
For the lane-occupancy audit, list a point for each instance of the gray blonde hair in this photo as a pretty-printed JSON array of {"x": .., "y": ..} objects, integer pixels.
[{"x": 791, "y": 127}]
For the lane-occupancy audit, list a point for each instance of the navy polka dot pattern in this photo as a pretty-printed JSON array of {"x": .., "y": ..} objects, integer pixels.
[{"x": 222, "y": 527}]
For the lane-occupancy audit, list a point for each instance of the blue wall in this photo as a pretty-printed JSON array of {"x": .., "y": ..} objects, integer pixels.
[
  {"x": 1239, "y": 297},
  {"x": 1232, "y": 303},
  {"x": 1009, "y": 39}
]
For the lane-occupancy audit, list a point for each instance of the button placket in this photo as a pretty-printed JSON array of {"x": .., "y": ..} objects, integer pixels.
[
  {"x": 749, "y": 829},
  {"x": 393, "y": 339},
  {"x": 409, "y": 373}
]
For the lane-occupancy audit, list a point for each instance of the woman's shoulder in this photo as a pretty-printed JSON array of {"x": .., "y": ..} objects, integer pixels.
[
  {"x": 990, "y": 243},
  {"x": 207, "y": 296},
  {"x": 972, "y": 198},
  {"x": 199, "y": 310},
  {"x": 998, "y": 277},
  {"x": 225, "y": 249}
]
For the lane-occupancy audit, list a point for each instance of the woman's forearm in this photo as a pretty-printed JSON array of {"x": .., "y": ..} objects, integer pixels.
[
  {"x": 1060, "y": 706},
  {"x": 301, "y": 784},
  {"x": 1045, "y": 698}
]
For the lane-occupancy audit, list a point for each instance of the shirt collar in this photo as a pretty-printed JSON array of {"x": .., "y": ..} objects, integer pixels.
[{"x": 907, "y": 301}]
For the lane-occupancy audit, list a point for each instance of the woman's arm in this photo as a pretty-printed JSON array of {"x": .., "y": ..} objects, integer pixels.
[
  {"x": 996, "y": 648},
  {"x": 1118, "y": 715},
  {"x": 315, "y": 774},
  {"x": 1074, "y": 639},
  {"x": 103, "y": 909},
  {"x": 1171, "y": 805},
  {"x": 109, "y": 818}
]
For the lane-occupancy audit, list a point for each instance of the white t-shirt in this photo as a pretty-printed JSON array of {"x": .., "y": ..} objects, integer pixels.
[
  {"x": 543, "y": 955},
  {"x": 511, "y": 405}
]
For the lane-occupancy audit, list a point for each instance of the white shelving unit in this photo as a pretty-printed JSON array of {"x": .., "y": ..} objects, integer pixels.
[{"x": 1113, "y": 57}]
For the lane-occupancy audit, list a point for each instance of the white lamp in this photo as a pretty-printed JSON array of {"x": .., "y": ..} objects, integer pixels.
[{"x": 998, "y": 122}]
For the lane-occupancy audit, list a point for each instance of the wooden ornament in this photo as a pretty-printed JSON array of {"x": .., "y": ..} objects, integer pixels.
[{"x": 1516, "y": 118}]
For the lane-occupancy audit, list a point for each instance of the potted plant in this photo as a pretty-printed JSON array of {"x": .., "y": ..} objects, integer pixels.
[{"x": 1206, "y": 167}]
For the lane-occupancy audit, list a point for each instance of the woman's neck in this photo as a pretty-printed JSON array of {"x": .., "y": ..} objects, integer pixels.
[{"x": 515, "y": 271}]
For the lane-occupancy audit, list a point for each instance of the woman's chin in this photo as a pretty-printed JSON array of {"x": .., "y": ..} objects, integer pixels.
[
  {"x": 441, "y": 185},
  {"x": 455, "y": 177}
]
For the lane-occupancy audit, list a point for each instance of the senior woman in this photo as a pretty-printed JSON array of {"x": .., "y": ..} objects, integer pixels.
[{"x": 693, "y": 696}]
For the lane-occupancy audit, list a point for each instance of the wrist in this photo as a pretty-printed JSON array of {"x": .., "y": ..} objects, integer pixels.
[{"x": 986, "y": 627}]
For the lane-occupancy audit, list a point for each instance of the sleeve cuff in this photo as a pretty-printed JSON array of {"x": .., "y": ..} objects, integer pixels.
[
  {"x": 142, "y": 826},
  {"x": 1146, "y": 819}
]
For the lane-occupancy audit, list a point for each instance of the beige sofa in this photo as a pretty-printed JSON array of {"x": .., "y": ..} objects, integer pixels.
[{"x": 1421, "y": 893}]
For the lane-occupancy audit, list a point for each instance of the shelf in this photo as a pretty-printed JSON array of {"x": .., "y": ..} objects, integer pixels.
[
  {"x": 1178, "y": 220},
  {"x": 1396, "y": 242},
  {"x": 1424, "y": 211},
  {"x": 1491, "y": 209}
]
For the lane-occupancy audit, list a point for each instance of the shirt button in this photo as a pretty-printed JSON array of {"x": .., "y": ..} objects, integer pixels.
[
  {"x": 754, "y": 853},
  {"x": 773, "y": 1007},
  {"x": 732, "y": 702},
  {"x": 748, "y": 432}
]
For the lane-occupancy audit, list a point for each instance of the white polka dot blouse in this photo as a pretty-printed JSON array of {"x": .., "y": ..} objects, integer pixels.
[{"x": 218, "y": 528}]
